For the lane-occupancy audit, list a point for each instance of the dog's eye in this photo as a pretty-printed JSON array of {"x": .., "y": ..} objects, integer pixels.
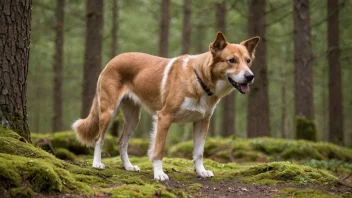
[
  {"x": 248, "y": 60},
  {"x": 232, "y": 60}
]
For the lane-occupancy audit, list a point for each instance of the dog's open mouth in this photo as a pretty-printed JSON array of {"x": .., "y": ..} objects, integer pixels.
[{"x": 242, "y": 88}]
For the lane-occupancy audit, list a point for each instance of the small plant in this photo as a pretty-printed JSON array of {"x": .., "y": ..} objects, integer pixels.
[{"x": 303, "y": 180}]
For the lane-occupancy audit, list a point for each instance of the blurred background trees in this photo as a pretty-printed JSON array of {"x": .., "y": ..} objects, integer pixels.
[{"x": 303, "y": 60}]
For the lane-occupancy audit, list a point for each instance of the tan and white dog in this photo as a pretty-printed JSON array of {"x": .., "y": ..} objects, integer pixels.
[{"x": 178, "y": 90}]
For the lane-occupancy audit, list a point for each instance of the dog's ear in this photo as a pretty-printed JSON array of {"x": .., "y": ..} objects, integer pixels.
[
  {"x": 219, "y": 43},
  {"x": 251, "y": 44}
]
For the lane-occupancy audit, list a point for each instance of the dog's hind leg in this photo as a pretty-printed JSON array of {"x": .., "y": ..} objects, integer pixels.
[
  {"x": 108, "y": 103},
  {"x": 200, "y": 129},
  {"x": 131, "y": 113}
]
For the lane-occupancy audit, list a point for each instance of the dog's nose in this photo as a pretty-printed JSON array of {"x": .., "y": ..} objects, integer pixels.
[{"x": 249, "y": 76}]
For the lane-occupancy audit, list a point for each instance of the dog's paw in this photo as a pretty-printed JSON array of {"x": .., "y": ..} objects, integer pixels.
[
  {"x": 161, "y": 176},
  {"x": 98, "y": 165},
  {"x": 205, "y": 173},
  {"x": 132, "y": 168}
]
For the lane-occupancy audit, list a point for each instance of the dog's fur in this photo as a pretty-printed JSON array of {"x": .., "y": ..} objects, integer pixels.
[{"x": 169, "y": 88}]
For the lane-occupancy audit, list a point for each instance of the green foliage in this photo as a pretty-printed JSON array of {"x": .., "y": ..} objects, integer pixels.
[
  {"x": 305, "y": 129},
  {"x": 263, "y": 149}
]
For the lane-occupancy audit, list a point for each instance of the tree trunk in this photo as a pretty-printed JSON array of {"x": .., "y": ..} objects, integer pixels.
[
  {"x": 258, "y": 99},
  {"x": 57, "y": 118},
  {"x": 303, "y": 66},
  {"x": 114, "y": 28},
  {"x": 335, "y": 90},
  {"x": 164, "y": 28},
  {"x": 283, "y": 103},
  {"x": 15, "y": 26},
  {"x": 186, "y": 26},
  {"x": 114, "y": 48},
  {"x": 93, "y": 50},
  {"x": 228, "y": 117},
  {"x": 200, "y": 39}
]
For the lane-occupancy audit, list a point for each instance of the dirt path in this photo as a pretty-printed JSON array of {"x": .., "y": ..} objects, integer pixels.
[{"x": 236, "y": 188}]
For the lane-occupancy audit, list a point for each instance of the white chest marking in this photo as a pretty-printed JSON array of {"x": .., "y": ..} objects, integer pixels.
[{"x": 191, "y": 104}]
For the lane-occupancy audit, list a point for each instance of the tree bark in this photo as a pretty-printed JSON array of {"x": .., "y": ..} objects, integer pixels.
[
  {"x": 335, "y": 89},
  {"x": 59, "y": 42},
  {"x": 114, "y": 48},
  {"x": 15, "y": 26},
  {"x": 258, "y": 99},
  {"x": 283, "y": 103},
  {"x": 186, "y": 26},
  {"x": 164, "y": 28},
  {"x": 93, "y": 50},
  {"x": 302, "y": 60}
]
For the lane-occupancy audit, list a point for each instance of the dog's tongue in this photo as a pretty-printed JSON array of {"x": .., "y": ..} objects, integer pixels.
[{"x": 245, "y": 88}]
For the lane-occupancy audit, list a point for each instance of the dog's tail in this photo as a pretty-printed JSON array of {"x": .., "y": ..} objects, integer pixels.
[{"x": 88, "y": 129}]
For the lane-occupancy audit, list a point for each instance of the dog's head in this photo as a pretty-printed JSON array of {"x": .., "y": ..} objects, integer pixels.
[{"x": 232, "y": 62}]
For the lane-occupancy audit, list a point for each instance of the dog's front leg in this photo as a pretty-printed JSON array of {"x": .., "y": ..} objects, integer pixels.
[
  {"x": 156, "y": 152},
  {"x": 200, "y": 129}
]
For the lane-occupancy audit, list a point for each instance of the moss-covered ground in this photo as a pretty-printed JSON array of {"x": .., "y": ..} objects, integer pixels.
[{"x": 29, "y": 171}]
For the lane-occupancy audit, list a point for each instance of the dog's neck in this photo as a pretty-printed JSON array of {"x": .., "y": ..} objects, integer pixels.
[{"x": 202, "y": 64}]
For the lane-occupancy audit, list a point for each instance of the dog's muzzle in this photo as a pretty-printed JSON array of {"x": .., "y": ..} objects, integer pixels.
[{"x": 243, "y": 88}]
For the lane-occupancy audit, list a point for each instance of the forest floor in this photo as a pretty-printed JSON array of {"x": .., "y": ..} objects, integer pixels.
[{"x": 263, "y": 167}]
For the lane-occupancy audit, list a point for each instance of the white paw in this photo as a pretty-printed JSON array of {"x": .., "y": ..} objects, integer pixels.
[
  {"x": 205, "y": 173},
  {"x": 98, "y": 165},
  {"x": 132, "y": 168},
  {"x": 161, "y": 176}
]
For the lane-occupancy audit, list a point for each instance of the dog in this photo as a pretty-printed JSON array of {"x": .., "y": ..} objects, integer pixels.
[{"x": 177, "y": 90}]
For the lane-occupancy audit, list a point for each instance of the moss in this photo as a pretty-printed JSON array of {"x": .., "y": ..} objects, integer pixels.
[
  {"x": 194, "y": 187},
  {"x": 300, "y": 193},
  {"x": 134, "y": 190},
  {"x": 286, "y": 171},
  {"x": 8, "y": 133},
  {"x": 182, "y": 150},
  {"x": 263, "y": 150},
  {"x": 67, "y": 140},
  {"x": 305, "y": 129},
  {"x": 23, "y": 164},
  {"x": 21, "y": 192},
  {"x": 64, "y": 154},
  {"x": 336, "y": 166},
  {"x": 37, "y": 173}
]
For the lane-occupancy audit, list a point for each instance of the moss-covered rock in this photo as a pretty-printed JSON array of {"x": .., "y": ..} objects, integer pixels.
[
  {"x": 65, "y": 154},
  {"x": 67, "y": 140},
  {"x": 23, "y": 166},
  {"x": 305, "y": 129},
  {"x": 285, "y": 172},
  {"x": 263, "y": 149}
]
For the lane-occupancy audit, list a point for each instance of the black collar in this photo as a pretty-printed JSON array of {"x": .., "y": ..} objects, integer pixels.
[{"x": 202, "y": 84}]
